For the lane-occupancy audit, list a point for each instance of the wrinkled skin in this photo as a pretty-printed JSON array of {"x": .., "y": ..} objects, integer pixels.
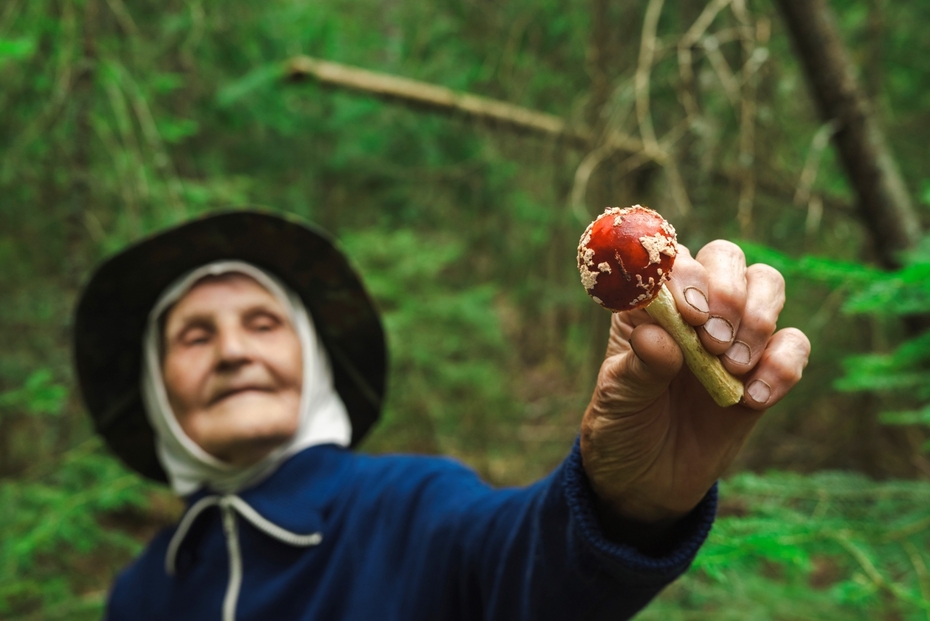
[
  {"x": 653, "y": 441},
  {"x": 233, "y": 368}
]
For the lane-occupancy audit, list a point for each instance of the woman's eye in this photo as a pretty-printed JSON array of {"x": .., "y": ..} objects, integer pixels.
[
  {"x": 196, "y": 337},
  {"x": 264, "y": 324}
]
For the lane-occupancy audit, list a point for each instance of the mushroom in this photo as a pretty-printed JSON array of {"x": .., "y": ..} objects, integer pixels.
[{"x": 625, "y": 257}]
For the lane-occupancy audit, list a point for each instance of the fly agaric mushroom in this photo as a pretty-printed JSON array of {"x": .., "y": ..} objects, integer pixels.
[{"x": 625, "y": 257}]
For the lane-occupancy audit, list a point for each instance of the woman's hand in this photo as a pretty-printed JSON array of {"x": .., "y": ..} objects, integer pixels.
[{"x": 652, "y": 440}]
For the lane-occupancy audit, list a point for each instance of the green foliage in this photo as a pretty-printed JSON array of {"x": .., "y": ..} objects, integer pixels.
[
  {"x": 53, "y": 520},
  {"x": 434, "y": 407},
  {"x": 830, "y": 546},
  {"x": 836, "y": 273},
  {"x": 904, "y": 371},
  {"x": 37, "y": 396},
  {"x": 265, "y": 76},
  {"x": 17, "y": 49}
]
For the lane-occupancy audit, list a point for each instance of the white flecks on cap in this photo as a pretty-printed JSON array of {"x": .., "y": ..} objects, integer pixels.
[
  {"x": 657, "y": 245},
  {"x": 588, "y": 278}
]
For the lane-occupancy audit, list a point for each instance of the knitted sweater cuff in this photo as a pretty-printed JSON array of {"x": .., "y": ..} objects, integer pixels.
[{"x": 627, "y": 562}]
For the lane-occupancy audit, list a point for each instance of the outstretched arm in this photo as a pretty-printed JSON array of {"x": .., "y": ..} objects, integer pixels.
[{"x": 537, "y": 553}]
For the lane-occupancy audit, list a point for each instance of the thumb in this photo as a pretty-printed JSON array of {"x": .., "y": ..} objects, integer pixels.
[{"x": 633, "y": 380}]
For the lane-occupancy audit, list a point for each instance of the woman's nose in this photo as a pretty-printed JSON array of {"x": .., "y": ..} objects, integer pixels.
[{"x": 232, "y": 345}]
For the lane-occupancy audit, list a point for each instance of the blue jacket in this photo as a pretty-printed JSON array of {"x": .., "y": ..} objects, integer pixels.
[{"x": 336, "y": 535}]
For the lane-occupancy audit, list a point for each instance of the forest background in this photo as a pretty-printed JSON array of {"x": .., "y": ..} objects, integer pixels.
[{"x": 121, "y": 117}]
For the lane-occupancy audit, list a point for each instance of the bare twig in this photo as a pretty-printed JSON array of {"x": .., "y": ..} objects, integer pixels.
[
  {"x": 152, "y": 136},
  {"x": 135, "y": 180},
  {"x": 727, "y": 35},
  {"x": 721, "y": 67},
  {"x": 872, "y": 572},
  {"x": 598, "y": 62},
  {"x": 647, "y": 49},
  {"x": 814, "y": 215},
  {"x": 118, "y": 154},
  {"x": 754, "y": 38},
  {"x": 864, "y": 562},
  {"x": 677, "y": 187},
  {"x": 641, "y": 157},
  {"x": 920, "y": 568},
  {"x": 702, "y": 23},
  {"x": 688, "y": 41},
  {"x": 803, "y": 194},
  {"x": 617, "y": 112},
  {"x": 747, "y": 32},
  {"x": 123, "y": 17},
  {"x": 521, "y": 120},
  {"x": 582, "y": 175},
  {"x": 819, "y": 144},
  {"x": 747, "y": 133},
  {"x": 756, "y": 59},
  {"x": 94, "y": 227},
  {"x": 434, "y": 97},
  {"x": 913, "y": 528}
]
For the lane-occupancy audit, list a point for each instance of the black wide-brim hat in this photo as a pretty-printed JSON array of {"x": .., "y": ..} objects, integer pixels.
[{"x": 113, "y": 311}]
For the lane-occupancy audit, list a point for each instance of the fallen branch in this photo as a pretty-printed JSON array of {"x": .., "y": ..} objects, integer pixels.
[
  {"x": 437, "y": 98},
  {"x": 428, "y": 96}
]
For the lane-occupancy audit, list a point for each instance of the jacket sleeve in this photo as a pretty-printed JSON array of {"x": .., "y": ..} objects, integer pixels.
[{"x": 539, "y": 552}]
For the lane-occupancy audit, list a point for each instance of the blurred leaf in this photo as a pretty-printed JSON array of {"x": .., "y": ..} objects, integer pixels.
[
  {"x": 39, "y": 395},
  {"x": 836, "y": 273},
  {"x": 164, "y": 83},
  {"x": 257, "y": 79},
  {"x": 17, "y": 49},
  {"x": 174, "y": 131},
  {"x": 912, "y": 417}
]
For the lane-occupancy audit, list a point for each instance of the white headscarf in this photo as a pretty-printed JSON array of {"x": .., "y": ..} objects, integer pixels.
[{"x": 323, "y": 416}]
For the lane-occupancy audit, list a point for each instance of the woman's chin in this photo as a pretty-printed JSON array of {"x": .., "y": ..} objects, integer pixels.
[
  {"x": 244, "y": 428},
  {"x": 247, "y": 449}
]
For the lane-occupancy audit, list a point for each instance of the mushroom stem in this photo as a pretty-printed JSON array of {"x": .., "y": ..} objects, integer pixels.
[{"x": 723, "y": 387}]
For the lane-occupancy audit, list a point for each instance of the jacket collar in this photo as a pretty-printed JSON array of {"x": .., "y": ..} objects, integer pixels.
[{"x": 293, "y": 495}]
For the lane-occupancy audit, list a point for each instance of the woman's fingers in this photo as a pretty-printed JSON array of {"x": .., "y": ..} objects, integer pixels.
[
  {"x": 734, "y": 308},
  {"x": 710, "y": 291},
  {"x": 765, "y": 298},
  {"x": 688, "y": 286},
  {"x": 779, "y": 369}
]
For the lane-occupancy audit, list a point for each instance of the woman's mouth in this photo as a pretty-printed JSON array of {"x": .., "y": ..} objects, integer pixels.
[{"x": 234, "y": 392}]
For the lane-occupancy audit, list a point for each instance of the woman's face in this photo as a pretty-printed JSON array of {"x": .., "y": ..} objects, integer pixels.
[{"x": 233, "y": 369}]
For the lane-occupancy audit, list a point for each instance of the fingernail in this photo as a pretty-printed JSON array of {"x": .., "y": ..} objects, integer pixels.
[
  {"x": 719, "y": 329},
  {"x": 696, "y": 299},
  {"x": 759, "y": 391},
  {"x": 739, "y": 352}
]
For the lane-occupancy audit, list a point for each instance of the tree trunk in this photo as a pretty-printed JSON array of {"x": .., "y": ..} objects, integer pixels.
[{"x": 883, "y": 200}]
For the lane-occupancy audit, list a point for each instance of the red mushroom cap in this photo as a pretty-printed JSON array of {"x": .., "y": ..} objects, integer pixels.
[{"x": 625, "y": 256}]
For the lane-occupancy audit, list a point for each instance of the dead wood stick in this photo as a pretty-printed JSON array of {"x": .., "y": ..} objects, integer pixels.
[
  {"x": 428, "y": 96},
  {"x": 438, "y": 98}
]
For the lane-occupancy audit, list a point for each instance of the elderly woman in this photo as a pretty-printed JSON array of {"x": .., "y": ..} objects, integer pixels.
[{"x": 239, "y": 359}]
